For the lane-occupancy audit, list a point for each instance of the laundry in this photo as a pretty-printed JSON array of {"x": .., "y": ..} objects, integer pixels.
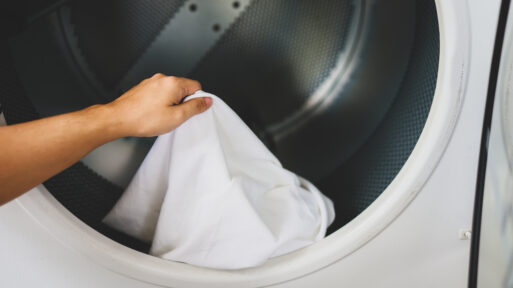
[{"x": 211, "y": 194}]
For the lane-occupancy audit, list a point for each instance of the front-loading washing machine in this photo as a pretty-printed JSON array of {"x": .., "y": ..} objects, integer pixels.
[{"x": 379, "y": 103}]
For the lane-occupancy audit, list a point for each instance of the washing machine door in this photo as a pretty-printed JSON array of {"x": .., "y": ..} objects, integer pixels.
[
  {"x": 340, "y": 91},
  {"x": 492, "y": 244},
  {"x": 361, "y": 97}
]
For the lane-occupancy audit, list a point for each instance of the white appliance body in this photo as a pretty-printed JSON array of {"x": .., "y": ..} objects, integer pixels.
[{"x": 413, "y": 235}]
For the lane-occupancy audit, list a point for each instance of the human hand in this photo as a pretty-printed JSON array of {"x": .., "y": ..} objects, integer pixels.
[{"x": 154, "y": 107}]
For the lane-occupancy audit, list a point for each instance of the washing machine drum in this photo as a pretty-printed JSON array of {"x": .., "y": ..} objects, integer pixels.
[{"x": 339, "y": 90}]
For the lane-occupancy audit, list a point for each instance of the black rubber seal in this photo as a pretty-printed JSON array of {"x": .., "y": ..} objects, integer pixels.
[{"x": 485, "y": 136}]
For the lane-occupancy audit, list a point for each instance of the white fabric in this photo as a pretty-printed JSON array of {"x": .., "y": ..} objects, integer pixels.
[{"x": 211, "y": 194}]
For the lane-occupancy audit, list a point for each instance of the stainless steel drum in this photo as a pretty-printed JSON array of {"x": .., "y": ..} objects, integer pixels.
[{"x": 339, "y": 90}]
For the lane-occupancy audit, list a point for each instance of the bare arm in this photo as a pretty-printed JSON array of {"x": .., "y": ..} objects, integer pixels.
[{"x": 32, "y": 152}]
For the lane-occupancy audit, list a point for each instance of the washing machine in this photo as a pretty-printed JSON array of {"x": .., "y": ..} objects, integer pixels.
[{"x": 379, "y": 103}]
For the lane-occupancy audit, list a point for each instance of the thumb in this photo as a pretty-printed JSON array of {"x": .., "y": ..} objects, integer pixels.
[{"x": 190, "y": 108}]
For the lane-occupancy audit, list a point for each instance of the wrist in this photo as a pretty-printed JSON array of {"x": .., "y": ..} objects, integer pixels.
[{"x": 107, "y": 123}]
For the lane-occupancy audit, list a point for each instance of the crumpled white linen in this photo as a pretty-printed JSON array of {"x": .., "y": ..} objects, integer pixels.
[{"x": 211, "y": 194}]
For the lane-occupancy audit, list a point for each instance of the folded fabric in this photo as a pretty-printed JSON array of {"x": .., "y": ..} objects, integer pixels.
[{"x": 211, "y": 194}]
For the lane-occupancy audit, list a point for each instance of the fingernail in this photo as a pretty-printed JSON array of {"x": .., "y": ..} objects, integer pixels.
[{"x": 208, "y": 101}]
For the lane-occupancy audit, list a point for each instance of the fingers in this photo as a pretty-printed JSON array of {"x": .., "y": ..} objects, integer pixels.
[
  {"x": 190, "y": 108},
  {"x": 157, "y": 76},
  {"x": 178, "y": 86},
  {"x": 154, "y": 77},
  {"x": 185, "y": 87},
  {"x": 145, "y": 109}
]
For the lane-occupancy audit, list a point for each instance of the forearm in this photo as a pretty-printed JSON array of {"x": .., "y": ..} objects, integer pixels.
[{"x": 34, "y": 151}]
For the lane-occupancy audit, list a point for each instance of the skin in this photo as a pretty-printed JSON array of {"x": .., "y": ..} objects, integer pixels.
[{"x": 34, "y": 151}]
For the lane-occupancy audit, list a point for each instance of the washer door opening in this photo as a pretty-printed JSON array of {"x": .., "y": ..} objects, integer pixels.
[{"x": 340, "y": 91}]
